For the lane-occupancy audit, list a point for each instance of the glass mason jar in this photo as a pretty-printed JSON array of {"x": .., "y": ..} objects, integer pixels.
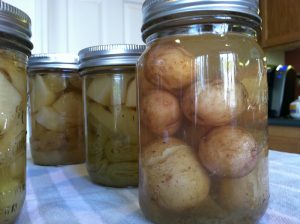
[
  {"x": 109, "y": 76},
  {"x": 202, "y": 113},
  {"x": 15, "y": 47},
  {"x": 56, "y": 110}
]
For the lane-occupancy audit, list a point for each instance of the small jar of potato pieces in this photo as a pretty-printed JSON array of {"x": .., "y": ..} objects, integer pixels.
[
  {"x": 15, "y": 48},
  {"x": 109, "y": 76},
  {"x": 202, "y": 113},
  {"x": 56, "y": 110}
]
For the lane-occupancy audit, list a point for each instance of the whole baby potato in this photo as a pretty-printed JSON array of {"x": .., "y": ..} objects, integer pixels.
[
  {"x": 214, "y": 103},
  {"x": 160, "y": 112},
  {"x": 228, "y": 152},
  {"x": 249, "y": 194},
  {"x": 169, "y": 66},
  {"x": 172, "y": 175}
]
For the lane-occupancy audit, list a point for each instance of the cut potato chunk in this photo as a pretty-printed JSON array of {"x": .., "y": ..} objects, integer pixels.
[
  {"x": 16, "y": 71},
  {"x": 76, "y": 82},
  {"x": 43, "y": 96},
  {"x": 50, "y": 119},
  {"x": 10, "y": 189},
  {"x": 10, "y": 99},
  {"x": 131, "y": 94},
  {"x": 109, "y": 90},
  {"x": 70, "y": 106},
  {"x": 100, "y": 90},
  {"x": 55, "y": 82},
  {"x": 119, "y": 89},
  {"x": 126, "y": 122},
  {"x": 121, "y": 120},
  {"x": 14, "y": 138},
  {"x": 102, "y": 116},
  {"x": 18, "y": 78}
]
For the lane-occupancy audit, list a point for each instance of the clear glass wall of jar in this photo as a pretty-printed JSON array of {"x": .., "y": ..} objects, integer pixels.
[
  {"x": 56, "y": 110},
  {"x": 15, "y": 48},
  {"x": 109, "y": 74},
  {"x": 203, "y": 113}
]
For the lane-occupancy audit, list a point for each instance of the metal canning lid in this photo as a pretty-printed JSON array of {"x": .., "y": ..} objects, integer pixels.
[
  {"x": 53, "y": 61},
  {"x": 15, "y": 28},
  {"x": 110, "y": 55},
  {"x": 164, "y": 11}
]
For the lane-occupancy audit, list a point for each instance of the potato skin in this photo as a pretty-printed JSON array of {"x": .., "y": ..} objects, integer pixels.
[
  {"x": 228, "y": 152},
  {"x": 213, "y": 104},
  {"x": 248, "y": 194},
  {"x": 172, "y": 175},
  {"x": 169, "y": 66},
  {"x": 160, "y": 112}
]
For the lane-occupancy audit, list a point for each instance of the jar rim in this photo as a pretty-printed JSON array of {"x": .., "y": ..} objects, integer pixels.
[
  {"x": 160, "y": 14},
  {"x": 15, "y": 28},
  {"x": 53, "y": 61},
  {"x": 110, "y": 55}
]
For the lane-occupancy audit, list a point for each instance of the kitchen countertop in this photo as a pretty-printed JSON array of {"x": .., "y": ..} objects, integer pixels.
[
  {"x": 64, "y": 195},
  {"x": 284, "y": 122}
]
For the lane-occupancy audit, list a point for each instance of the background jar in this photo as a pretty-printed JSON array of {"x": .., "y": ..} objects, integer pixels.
[
  {"x": 56, "y": 110},
  {"x": 203, "y": 98},
  {"x": 15, "y": 47},
  {"x": 109, "y": 75}
]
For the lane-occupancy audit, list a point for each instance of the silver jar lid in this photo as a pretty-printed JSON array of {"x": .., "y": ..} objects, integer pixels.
[
  {"x": 110, "y": 55},
  {"x": 15, "y": 28},
  {"x": 52, "y": 61},
  {"x": 158, "y": 12}
]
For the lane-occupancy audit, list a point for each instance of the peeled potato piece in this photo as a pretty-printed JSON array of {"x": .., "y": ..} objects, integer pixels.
[
  {"x": 126, "y": 122},
  {"x": 119, "y": 150},
  {"x": 50, "y": 119},
  {"x": 109, "y": 90},
  {"x": 119, "y": 89},
  {"x": 121, "y": 120},
  {"x": 16, "y": 71},
  {"x": 69, "y": 105},
  {"x": 228, "y": 152},
  {"x": 10, "y": 99},
  {"x": 131, "y": 94},
  {"x": 42, "y": 95},
  {"x": 12, "y": 192},
  {"x": 99, "y": 90},
  {"x": 123, "y": 174},
  {"x": 18, "y": 78},
  {"x": 76, "y": 82},
  {"x": 55, "y": 82},
  {"x": 103, "y": 116},
  {"x": 172, "y": 175},
  {"x": 13, "y": 139}
]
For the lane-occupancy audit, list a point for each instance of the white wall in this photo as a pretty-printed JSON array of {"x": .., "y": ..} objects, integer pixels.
[{"x": 70, "y": 25}]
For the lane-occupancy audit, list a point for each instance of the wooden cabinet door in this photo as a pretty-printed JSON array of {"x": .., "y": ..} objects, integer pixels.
[{"x": 281, "y": 22}]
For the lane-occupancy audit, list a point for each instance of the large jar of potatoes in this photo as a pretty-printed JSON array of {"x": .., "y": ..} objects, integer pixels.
[
  {"x": 109, "y": 76},
  {"x": 202, "y": 100},
  {"x": 56, "y": 110},
  {"x": 15, "y": 47}
]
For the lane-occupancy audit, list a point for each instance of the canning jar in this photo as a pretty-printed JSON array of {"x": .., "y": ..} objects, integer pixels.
[
  {"x": 202, "y": 113},
  {"x": 56, "y": 110},
  {"x": 109, "y": 76},
  {"x": 15, "y": 47}
]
